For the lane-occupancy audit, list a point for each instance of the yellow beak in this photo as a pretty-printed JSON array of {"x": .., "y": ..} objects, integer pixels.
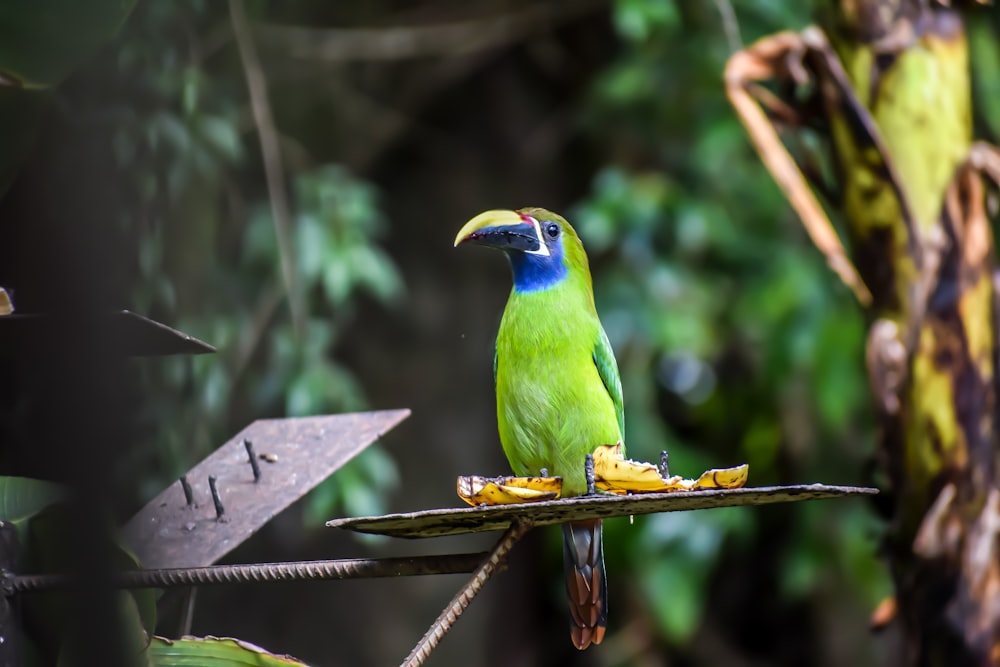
[{"x": 486, "y": 219}]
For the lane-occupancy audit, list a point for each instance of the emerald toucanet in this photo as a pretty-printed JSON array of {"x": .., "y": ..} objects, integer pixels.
[{"x": 558, "y": 392}]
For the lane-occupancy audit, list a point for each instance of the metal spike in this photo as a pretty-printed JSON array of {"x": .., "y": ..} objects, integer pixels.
[
  {"x": 188, "y": 491},
  {"x": 253, "y": 459},
  {"x": 588, "y": 469},
  {"x": 220, "y": 511}
]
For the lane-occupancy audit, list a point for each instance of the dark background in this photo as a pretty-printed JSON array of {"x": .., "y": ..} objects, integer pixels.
[{"x": 145, "y": 188}]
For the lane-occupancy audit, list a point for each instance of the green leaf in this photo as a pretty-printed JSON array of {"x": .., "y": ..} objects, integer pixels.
[
  {"x": 637, "y": 19},
  {"x": 49, "y": 616},
  {"x": 375, "y": 270},
  {"x": 42, "y": 41},
  {"x": 222, "y": 134},
  {"x": 312, "y": 240},
  {"x": 22, "y": 498},
  {"x": 337, "y": 280},
  {"x": 984, "y": 49},
  {"x": 138, "y": 604},
  {"x": 213, "y": 652}
]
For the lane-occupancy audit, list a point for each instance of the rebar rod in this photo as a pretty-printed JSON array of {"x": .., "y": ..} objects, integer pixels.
[
  {"x": 442, "y": 624},
  {"x": 357, "y": 568}
]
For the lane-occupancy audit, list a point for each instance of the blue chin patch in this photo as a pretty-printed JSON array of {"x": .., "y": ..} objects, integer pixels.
[{"x": 537, "y": 272}]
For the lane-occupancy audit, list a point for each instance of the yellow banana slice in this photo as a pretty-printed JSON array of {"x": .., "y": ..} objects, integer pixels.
[
  {"x": 6, "y": 305},
  {"x": 613, "y": 472},
  {"x": 722, "y": 478},
  {"x": 616, "y": 474},
  {"x": 477, "y": 490}
]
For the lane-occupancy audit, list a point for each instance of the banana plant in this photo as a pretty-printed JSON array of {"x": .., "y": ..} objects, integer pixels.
[{"x": 878, "y": 112}]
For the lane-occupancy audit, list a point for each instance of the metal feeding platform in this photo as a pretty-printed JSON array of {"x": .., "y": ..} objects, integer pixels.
[
  {"x": 260, "y": 471},
  {"x": 437, "y": 523},
  {"x": 516, "y": 520}
]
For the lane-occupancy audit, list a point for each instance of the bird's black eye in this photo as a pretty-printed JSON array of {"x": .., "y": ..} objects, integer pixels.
[{"x": 552, "y": 229}]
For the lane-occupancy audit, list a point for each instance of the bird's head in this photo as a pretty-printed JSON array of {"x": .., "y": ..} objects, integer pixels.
[{"x": 542, "y": 247}]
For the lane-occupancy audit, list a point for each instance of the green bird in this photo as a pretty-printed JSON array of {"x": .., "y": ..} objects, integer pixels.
[{"x": 558, "y": 391}]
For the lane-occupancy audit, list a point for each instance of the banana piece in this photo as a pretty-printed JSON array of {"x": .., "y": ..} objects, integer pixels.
[
  {"x": 616, "y": 474},
  {"x": 477, "y": 490},
  {"x": 613, "y": 472},
  {"x": 6, "y": 305},
  {"x": 722, "y": 478}
]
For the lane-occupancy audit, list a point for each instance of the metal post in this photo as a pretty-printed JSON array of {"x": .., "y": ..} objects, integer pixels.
[
  {"x": 9, "y": 631},
  {"x": 442, "y": 624}
]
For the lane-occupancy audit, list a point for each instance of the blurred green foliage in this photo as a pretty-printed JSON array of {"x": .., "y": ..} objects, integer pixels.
[
  {"x": 734, "y": 340},
  {"x": 202, "y": 215},
  {"x": 39, "y": 511},
  {"x": 41, "y": 43},
  {"x": 736, "y": 343}
]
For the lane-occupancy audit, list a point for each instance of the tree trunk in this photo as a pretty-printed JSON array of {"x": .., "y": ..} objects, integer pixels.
[
  {"x": 922, "y": 243},
  {"x": 891, "y": 82}
]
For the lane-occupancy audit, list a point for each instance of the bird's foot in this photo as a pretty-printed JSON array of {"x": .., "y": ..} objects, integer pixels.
[
  {"x": 477, "y": 490},
  {"x": 589, "y": 474},
  {"x": 616, "y": 474}
]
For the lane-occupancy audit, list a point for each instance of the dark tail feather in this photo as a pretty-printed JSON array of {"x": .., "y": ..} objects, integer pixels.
[{"x": 583, "y": 555}]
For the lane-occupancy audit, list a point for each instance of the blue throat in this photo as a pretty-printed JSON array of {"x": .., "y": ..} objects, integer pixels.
[{"x": 536, "y": 272}]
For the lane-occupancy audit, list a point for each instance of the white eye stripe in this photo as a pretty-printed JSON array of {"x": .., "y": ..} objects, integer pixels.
[{"x": 543, "y": 249}]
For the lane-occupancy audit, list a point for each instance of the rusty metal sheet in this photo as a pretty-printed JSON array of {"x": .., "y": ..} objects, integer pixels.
[
  {"x": 436, "y": 523},
  {"x": 294, "y": 455},
  {"x": 128, "y": 333}
]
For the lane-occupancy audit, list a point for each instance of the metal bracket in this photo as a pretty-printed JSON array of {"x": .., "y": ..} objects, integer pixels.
[{"x": 296, "y": 453}]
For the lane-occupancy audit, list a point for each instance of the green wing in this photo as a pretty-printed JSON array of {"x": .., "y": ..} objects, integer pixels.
[{"x": 607, "y": 368}]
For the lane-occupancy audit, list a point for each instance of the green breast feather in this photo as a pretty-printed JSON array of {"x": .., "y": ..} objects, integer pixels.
[{"x": 558, "y": 391}]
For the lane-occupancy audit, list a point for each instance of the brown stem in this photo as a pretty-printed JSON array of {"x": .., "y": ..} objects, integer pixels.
[
  {"x": 271, "y": 153},
  {"x": 405, "y": 42}
]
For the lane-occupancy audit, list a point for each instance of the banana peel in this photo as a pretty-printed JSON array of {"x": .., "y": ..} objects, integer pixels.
[
  {"x": 616, "y": 474},
  {"x": 613, "y": 473},
  {"x": 6, "y": 304},
  {"x": 477, "y": 490}
]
